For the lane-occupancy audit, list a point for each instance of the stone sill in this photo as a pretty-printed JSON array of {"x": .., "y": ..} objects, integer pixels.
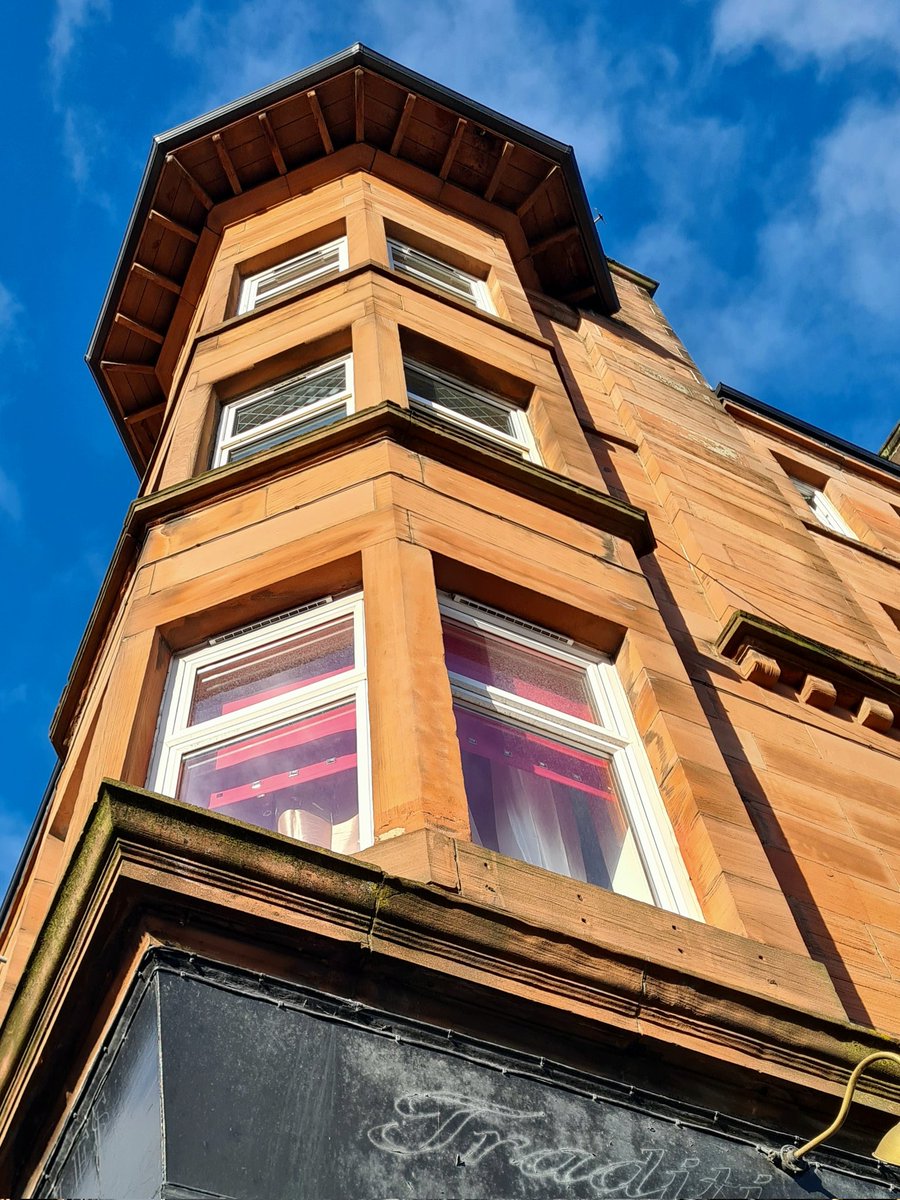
[
  {"x": 389, "y": 421},
  {"x": 853, "y": 543}
]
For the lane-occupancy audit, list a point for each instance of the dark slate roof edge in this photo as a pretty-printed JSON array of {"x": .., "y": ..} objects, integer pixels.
[
  {"x": 893, "y": 441},
  {"x": 353, "y": 56},
  {"x": 731, "y": 395},
  {"x": 13, "y": 886}
]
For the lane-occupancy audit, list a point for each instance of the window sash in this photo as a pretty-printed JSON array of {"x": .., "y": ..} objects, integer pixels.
[
  {"x": 546, "y": 799},
  {"x": 336, "y": 405},
  {"x": 614, "y": 736},
  {"x": 822, "y": 508},
  {"x": 519, "y": 438},
  {"x": 176, "y": 740},
  {"x": 323, "y": 260},
  {"x": 439, "y": 274}
]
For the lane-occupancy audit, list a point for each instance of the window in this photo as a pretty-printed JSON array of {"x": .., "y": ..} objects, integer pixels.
[
  {"x": 554, "y": 770},
  {"x": 269, "y": 725},
  {"x": 458, "y": 284},
  {"x": 476, "y": 411},
  {"x": 286, "y": 410},
  {"x": 292, "y": 273},
  {"x": 822, "y": 508}
]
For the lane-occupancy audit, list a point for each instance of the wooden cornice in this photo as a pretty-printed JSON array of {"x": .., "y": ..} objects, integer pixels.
[
  {"x": 147, "y": 866},
  {"x": 512, "y": 176},
  {"x": 414, "y": 431}
]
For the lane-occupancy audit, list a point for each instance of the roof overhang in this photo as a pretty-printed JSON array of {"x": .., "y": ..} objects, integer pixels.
[{"x": 469, "y": 154}]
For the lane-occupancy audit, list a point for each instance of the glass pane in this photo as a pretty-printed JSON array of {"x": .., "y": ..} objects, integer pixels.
[
  {"x": 806, "y": 490},
  {"x": 298, "y": 779},
  {"x": 459, "y": 400},
  {"x": 528, "y": 673},
  {"x": 290, "y": 397},
  {"x": 286, "y": 434},
  {"x": 281, "y": 666},
  {"x": 442, "y": 275},
  {"x": 297, "y": 271},
  {"x": 542, "y": 802}
]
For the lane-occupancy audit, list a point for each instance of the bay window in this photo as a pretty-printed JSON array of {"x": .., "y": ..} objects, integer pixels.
[
  {"x": 293, "y": 273},
  {"x": 822, "y": 508},
  {"x": 269, "y": 725},
  {"x": 439, "y": 274},
  {"x": 472, "y": 409},
  {"x": 285, "y": 410},
  {"x": 554, "y": 770}
]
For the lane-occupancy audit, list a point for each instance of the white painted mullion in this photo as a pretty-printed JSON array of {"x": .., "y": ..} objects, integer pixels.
[
  {"x": 567, "y": 652},
  {"x": 276, "y": 709},
  {"x": 349, "y": 392},
  {"x": 188, "y": 667},
  {"x": 250, "y": 287},
  {"x": 406, "y": 260},
  {"x": 296, "y": 705},
  {"x": 456, "y": 418},
  {"x": 542, "y": 719},
  {"x": 259, "y": 432},
  {"x": 364, "y": 790},
  {"x": 614, "y": 737},
  {"x": 526, "y": 435}
]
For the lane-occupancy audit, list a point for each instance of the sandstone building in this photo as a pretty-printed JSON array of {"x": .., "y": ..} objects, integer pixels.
[{"x": 480, "y": 774}]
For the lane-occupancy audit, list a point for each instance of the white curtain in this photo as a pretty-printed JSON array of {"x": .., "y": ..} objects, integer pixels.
[{"x": 528, "y": 823}]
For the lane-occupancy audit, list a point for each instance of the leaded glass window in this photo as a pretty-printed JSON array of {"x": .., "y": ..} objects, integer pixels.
[
  {"x": 469, "y": 408},
  {"x": 424, "y": 267},
  {"x": 293, "y": 273},
  {"x": 284, "y": 411}
]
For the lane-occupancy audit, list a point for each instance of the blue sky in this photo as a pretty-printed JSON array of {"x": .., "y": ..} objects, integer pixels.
[{"x": 744, "y": 152}]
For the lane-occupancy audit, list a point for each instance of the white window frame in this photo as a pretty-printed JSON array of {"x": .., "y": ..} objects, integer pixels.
[
  {"x": 471, "y": 290},
  {"x": 342, "y": 401},
  {"x": 521, "y": 441},
  {"x": 614, "y": 735},
  {"x": 175, "y": 739},
  {"x": 318, "y": 266},
  {"x": 822, "y": 508}
]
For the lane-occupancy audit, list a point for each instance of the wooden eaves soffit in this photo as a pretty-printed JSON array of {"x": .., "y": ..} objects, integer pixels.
[{"x": 354, "y": 111}]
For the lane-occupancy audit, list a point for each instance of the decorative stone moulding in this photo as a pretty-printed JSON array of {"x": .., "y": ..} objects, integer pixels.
[
  {"x": 768, "y": 654},
  {"x": 615, "y": 519},
  {"x": 758, "y": 668},
  {"x": 820, "y": 693}
]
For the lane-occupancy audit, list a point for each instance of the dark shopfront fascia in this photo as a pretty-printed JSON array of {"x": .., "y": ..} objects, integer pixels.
[{"x": 334, "y": 1053}]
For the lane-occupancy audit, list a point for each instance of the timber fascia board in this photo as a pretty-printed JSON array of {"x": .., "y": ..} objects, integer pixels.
[{"x": 143, "y": 859}]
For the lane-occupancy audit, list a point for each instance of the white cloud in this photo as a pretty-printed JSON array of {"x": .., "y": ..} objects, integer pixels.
[
  {"x": 828, "y": 31},
  {"x": 70, "y": 18},
  {"x": 502, "y": 53},
  {"x": 84, "y": 143},
  {"x": 80, "y": 132},
  {"x": 818, "y": 307},
  {"x": 505, "y": 55},
  {"x": 857, "y": 218},
  {"x": 248, "y": 47},
  {"x": 10, "y": 312},
  {"x": 10, "y": 499}
]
